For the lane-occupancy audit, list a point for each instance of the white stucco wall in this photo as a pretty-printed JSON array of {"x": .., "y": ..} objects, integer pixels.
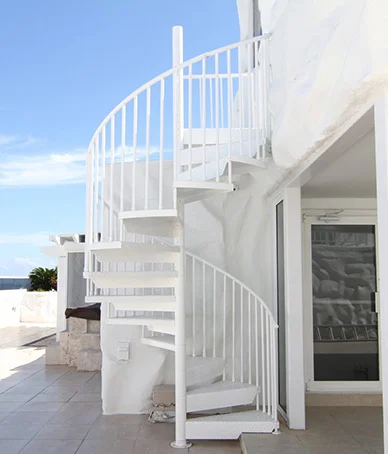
[
  {"x": 39, "y": 307},
  {"x": 10, "y": 302},
  {"x": 329, "y": 59},
  {"x": 27, "y": 307}
]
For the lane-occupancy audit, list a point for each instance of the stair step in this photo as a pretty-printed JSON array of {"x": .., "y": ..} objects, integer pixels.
[
  {"x": 220, "y": 395},
  {"x": 229, "y": 426},
  {"x": 222, "y": 135},
  {"x": 119, "y": 251},
  {"x": 210, "y": 171},
  {"x": 133, "y": 279},
  {"x": 151, "y": 222},
  {"x": 166, "y": 342},
  {"x": 152, "y": 323},
  {"x": 156, "y": 303}
]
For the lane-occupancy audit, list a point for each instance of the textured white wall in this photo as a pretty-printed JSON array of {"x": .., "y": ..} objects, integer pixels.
[
  {"x": 39, "y": 307},
  {"x": 329, "y": 58}
]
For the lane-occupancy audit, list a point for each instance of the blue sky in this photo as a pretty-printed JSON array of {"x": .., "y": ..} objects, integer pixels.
[{"x": 65, "y": 65}]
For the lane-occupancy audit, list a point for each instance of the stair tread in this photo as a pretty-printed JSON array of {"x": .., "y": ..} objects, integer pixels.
[
  {"x": 167, "y": 339},
  {"x": 114, "y": 245},
  {"x": 221, "y": 386},
  {"x": 240, "y": 416},
  {"x": 129, "y": 274},
  {"x": 133, "y": 298}
]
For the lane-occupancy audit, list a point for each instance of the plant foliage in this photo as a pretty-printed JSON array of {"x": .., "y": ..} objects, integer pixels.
[{"x": 43, "y": 279}]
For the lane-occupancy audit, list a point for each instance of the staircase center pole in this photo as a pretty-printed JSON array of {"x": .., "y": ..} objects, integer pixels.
[{"x": 180, "y": 312}]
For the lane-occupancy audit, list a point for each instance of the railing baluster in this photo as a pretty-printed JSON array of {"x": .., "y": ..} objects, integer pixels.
[
  {"x": 211, "y": 101},
  {"x": 257, "y": 356},
  {"x": 263, "y": 391},
  {"x": 240, "y": 99},
  {"x": 147, "y": 163},
  {"x": 233, "y": 329},
  {"x": 204, "y": 309},
  {"x": 267, "y": 339},
  {"x": 123, "y": 139},
  {"x": 203, "y": 119},
  {"x": 250, "y": 100},
  {"x": 190, "y": 118},
  {"x": 221, "y": 81},
  {"x": 96, "y": 188},
  {"x": 217, "y": 119},
  {"x": 214, "y": 311},
  {"x": 161, "y": 147},
  {"x": 134, "y": 151},
  {"x": 224, "y": 330},
  {"x": 249, "y": 338},
  {"x": 103, "y": 151},
  {"x": 230, "y": 113},
  {"x": 242, "y": 334},
  {"x": 194, "y": 305},
  {"x": 112, "y": 164}
]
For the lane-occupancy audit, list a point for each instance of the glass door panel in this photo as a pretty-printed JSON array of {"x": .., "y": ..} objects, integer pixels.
[{"x": 344, "y": 317}]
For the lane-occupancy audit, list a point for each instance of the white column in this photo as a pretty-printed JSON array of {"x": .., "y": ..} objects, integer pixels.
[
  {"x": 61, "y": 293},
  {"x": 294, "y": 308},
  {"x": 381, "y": 134}
]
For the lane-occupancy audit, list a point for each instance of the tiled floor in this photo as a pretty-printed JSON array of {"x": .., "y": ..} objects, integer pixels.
[
  {"x": 337, "y": 430},
  {"x": 56, "y": 410},
  {"x": 24, "y": 333}
]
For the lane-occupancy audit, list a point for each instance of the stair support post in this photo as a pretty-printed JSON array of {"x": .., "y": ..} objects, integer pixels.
[
  {"x": 178, "y": 112},
  {"x": 180, "y": 341}
]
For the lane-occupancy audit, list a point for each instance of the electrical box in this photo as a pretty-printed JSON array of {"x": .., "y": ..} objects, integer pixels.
[{"x": 123, "y": 351}]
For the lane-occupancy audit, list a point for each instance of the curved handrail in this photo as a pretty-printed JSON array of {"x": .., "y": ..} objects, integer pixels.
[
  {"x": 237, "y": 281},
  {"x": 171, "y": 71}
]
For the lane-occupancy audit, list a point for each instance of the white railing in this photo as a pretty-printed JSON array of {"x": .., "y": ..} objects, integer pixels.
[
  {"x": 227, "y": 319},
  {"x": 203, "y": 111}
]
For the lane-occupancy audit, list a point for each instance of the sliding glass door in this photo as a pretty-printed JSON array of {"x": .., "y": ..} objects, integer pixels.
[{"x": 345, "y": 323}]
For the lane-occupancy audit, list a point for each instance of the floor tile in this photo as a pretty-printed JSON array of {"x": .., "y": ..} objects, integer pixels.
[
  {"x": 58, "y": 397},
  {"x": 156, "y": 447},
  {"x": 63, "y": 432},
  {"x": 19, "y": 431},
  {"x": 336, "y": 449},
  {"x": 215, "y": 447},
  {"x": 157, "y": 431},
  {"x": 110, "y": 432},
  {"x": 12, "y": 446},
  {"x": 16, "y": 397},
  {"x": 325, "y": 437},
  {"x": 106, "y": 447},
  {"x": 10, "y": 406},
  {"x": 52, "y": 447},
  {"x": 122, "y": 419},
  {"x": 28, "y": 417},
  {"x": 77, "y": 413},
  {"x": 41, "y": 406},
  {"x": 61, "y": 389},
  {"x": 256, "y": 441},
  {"x": 86, "y": 397},
  {"x": 4, "y": 415}
]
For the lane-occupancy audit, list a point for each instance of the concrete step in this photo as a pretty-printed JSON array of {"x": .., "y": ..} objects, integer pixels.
[{"x": 89, "y": 360}]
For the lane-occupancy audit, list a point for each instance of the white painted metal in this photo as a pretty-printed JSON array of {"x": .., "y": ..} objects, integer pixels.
[
  {"x": 294, "y": 308},
  {"x": 221, "y": 394},
  {"x": 229, "y": 426},
  {"x": 132, "y": 279},
  {"x": 122, "y": 271},
  {"x": 381, "y": 134},
  {"x": 118, "y": 251},
  {"x": 166, "y": 342}
]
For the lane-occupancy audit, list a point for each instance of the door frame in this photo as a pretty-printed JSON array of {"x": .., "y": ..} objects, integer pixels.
[{"x": 367, "y": 387}]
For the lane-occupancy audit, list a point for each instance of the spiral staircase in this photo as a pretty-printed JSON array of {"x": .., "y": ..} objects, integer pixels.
[{"x": 186, "y": 135}]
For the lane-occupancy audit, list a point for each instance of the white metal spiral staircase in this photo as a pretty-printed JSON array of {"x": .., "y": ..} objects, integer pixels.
[{"x": 186, "y": 135}]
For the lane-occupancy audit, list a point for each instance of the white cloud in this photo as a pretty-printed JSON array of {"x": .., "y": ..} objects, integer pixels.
[
  {"x": 7, "y": 140},
  {"x": 44, "y": 169},
  {"x": 30, "y": 262},
  {"x": 35, "y": 239},
  {"x": 3, "y": 266}
]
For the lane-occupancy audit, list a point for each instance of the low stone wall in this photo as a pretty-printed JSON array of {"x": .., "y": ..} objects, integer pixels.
[
  {"x": 10, "y": 302},
  {"x": 79, "y": 346}
]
